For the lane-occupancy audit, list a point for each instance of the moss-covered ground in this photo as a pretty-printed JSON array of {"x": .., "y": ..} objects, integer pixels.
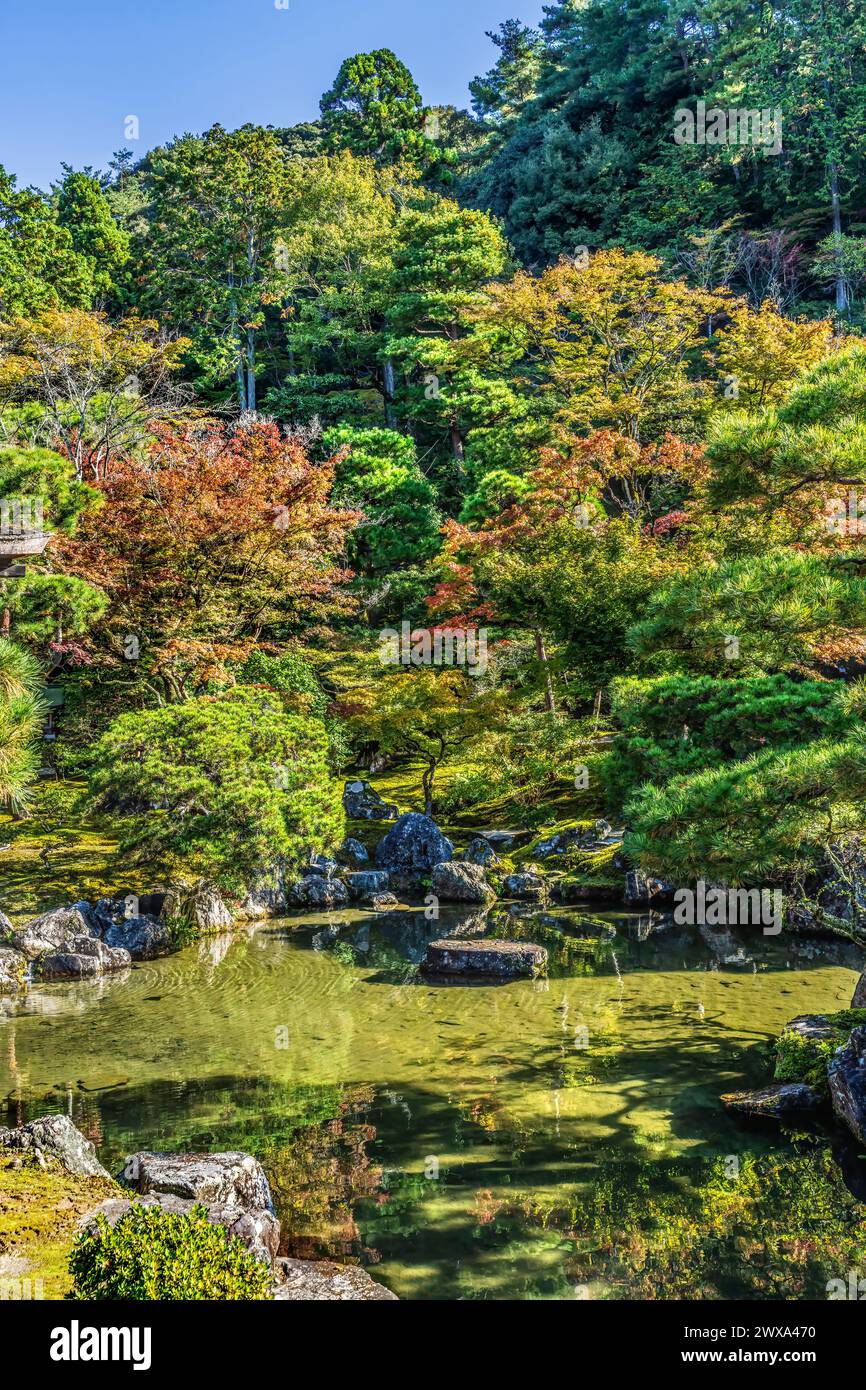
[{"x": 39, "y": 1211}]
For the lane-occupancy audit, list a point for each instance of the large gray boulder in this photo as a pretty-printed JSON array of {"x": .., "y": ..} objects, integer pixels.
[
  {"x": 527, "y": 887},
  {"x": 84, "y": 957},
  {"x": 414, "y": 844},
  {"x": 320, "y": 1280},
  {"x": 811, "y": 1028},
  {"x": 50, "y": 931},
  {"x": 13, "y": 966},
  {"x": 643, "y": 891},
  {"x": 259, "y": 1230},
  {"x": 352, "y": 854},
  {"x": 461, "y": 883},
  {"x": 361, "y": 802},
  {"x": 201, "y": 908},
  {"x": 366, "y": 883},
  {"x": 480, "y": 851},
  {"x": 502, "y": 960},
  {"x": 859, "y": 1000},
  {"x": 317, "y": 893},
  {"x": 6, "y": 927},
  {"x": 144, "y": 938},
  {"x": 846, "y": 1074},
  {"x": 55, "y": 1136},
  {"x": 225, "y": 1179}
]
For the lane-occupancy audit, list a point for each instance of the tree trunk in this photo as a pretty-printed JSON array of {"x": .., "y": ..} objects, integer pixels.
[
  {"x": 457, "y": 444},
  {"x": 239, "y": 375},
  {"x": 427, "y": 784},
  {"x": 841, "y": 287},
  {"x": 541, "y": 651},
  {"x": 251, "y": 369},
  {"x": 388, "y": 380}
]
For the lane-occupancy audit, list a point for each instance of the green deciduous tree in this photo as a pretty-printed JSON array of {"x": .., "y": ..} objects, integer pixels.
[{"x": 424, "y": 714}]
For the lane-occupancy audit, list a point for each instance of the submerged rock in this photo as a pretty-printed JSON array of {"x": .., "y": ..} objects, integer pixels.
[
  {"x": 846, "y": 1074},
  {"x": 414, "y": 843},
  {"x": 13, "y": 966},
  {"x": 144, "y": 938},
  {"x": 318, "y": 1280},
  {"x": 503, "y": 960},
  {"x": 786, "y": 1097},
  {"x": 361, "y": 802},
  {"x": 461, "y": 883},
  {"x": 55, "y": 1136}
]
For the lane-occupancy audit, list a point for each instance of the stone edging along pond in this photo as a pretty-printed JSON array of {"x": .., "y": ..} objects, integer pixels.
[
  {"x": 231, "y": 1187},
  {"x": 413, "y": 859}
]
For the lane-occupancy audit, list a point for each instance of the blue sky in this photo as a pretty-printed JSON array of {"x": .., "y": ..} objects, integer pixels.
[{"x": 73, "y": 70}]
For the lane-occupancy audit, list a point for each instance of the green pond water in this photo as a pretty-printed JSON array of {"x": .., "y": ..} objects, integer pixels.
[{"x": 558, "y": 1138}]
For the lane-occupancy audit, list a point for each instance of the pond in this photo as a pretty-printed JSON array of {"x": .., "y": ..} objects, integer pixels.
[{"x": 554, "y": 1138}]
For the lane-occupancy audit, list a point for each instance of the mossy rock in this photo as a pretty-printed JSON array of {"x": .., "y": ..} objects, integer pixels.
[{"x": 802, "y": 1055}]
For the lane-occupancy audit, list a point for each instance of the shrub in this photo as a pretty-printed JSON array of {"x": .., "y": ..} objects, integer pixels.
[
  {"x": 381, "y": 477},
  {"x": 677, "y": 725},
  {"x": 156, "y": 1255},
  {"x": 805, "y": 1059},
  {"x": 749, "y": 820},
  {"x": 296, "y": 680},
  {"x": 219, "y": 788}
]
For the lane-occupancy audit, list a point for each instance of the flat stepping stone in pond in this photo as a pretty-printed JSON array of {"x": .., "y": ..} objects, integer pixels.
[
  {"x": 786, "y": 1098},
  {"x": 501, "y": 960}
]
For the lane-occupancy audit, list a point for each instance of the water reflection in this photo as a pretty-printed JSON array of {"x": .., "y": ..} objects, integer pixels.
[{"x": 540, "y": 1140}]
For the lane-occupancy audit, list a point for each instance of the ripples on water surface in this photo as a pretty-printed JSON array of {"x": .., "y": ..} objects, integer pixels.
[{"x": 556, "y": 1139}]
